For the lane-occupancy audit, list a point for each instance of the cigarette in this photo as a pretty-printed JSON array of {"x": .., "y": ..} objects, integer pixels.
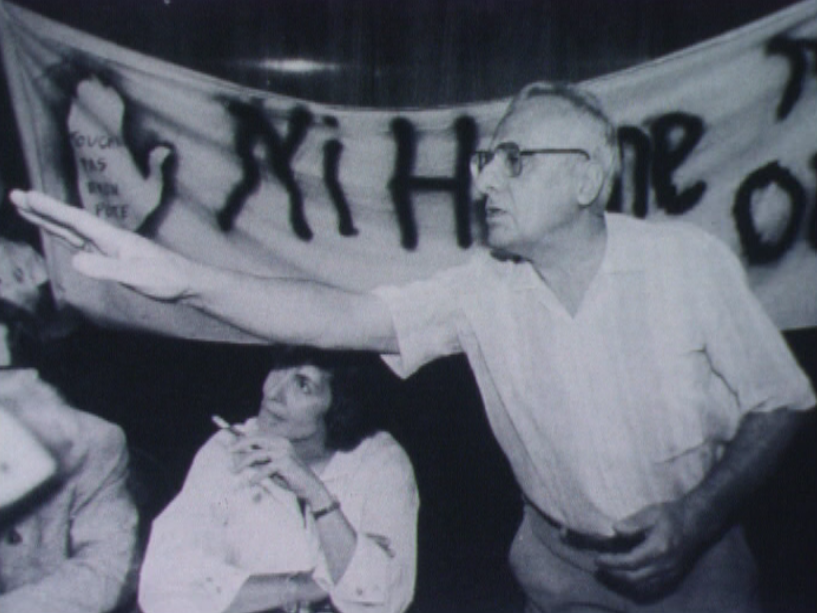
[{"x": 224, "y": 425}]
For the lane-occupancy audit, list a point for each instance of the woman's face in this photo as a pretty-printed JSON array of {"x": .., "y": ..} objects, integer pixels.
[{"x": 295, "y": 401}]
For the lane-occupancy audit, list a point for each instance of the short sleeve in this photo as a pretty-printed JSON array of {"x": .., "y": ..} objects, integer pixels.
[
  {"x": 744, "y": 346},
  {"x": 425, "y": 315}
]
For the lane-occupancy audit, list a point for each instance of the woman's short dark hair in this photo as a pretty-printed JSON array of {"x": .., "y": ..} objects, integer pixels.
[{"x": 352, "y": 416}]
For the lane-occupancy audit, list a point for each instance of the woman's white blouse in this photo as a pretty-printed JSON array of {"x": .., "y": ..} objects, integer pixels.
[{"x": 220, "y": 530}]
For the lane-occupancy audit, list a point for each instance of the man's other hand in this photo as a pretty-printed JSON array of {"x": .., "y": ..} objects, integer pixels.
[{"x": 661, "y": 559}]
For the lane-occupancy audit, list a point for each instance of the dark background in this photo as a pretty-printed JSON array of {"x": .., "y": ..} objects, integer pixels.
[{"x": 382, "y": 53}]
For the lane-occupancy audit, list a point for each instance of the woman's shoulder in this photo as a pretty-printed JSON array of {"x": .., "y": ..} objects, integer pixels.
[
  {"x": 381, "y": 450},
  {"x": 214, "y": 453}
]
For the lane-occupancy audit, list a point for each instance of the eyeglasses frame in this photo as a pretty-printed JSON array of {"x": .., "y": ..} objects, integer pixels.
[{"x": 482, "y": 157}]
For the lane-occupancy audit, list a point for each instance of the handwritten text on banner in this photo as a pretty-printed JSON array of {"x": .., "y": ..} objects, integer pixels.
[{"x": 722, "y": 135}]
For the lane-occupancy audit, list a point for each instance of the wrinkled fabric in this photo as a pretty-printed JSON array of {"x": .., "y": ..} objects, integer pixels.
[
  {"x": 219, "y": 531},
  {"x": 630, "y": 401},
  {"x": 73, "y": 549}
]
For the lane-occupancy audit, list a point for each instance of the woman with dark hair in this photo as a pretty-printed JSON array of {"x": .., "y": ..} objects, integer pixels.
[{"x": 304, "y": 507}]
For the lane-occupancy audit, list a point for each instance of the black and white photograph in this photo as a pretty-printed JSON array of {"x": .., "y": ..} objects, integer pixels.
[{"x": 432, "y": 306}]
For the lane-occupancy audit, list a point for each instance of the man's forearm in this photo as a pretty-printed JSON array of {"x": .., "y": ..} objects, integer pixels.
[
  {"x": 292, "y": 311},
  {"x": 749, "y": 459}
]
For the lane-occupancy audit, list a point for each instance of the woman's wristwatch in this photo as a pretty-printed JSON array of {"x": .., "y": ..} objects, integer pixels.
[{"x": 330, "y": 508}]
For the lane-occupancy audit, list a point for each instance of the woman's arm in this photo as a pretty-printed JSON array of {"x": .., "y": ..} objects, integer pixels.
[
  {"x": 264, "y": 592},
  {"x": 380, "y": 575}
]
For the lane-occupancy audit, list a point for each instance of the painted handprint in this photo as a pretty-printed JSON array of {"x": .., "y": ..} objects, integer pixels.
[{"x": 110, "y": 184}]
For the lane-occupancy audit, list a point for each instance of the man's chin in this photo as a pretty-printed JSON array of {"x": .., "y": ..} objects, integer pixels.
[
  {"x": 494, "y": 240},
  {"x": 500, "y": 247}
]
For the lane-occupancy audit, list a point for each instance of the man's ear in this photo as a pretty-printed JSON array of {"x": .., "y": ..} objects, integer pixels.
[{"x": 590, "y": 181}]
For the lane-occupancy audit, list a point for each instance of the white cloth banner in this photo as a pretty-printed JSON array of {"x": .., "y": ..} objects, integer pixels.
[{"x": 723, "y": 135}]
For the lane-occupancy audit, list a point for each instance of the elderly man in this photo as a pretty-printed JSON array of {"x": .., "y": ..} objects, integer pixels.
[
  {"x": 68, "y": 545},
  {"x": 634, "y": 382}
]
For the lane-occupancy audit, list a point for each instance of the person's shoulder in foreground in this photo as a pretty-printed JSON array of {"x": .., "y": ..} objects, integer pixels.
[{"x": 72, "y": 547}]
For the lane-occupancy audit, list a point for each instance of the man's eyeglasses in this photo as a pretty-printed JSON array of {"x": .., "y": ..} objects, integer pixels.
[{"x": 511, "y": 156}]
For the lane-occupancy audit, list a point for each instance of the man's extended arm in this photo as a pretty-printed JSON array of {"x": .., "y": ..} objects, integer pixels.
[
  {"x": 276, "y": 310},
  {"x": 292, "y": 311}
]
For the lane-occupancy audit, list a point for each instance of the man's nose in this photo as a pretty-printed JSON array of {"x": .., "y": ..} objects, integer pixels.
[{"x": 491, "y": 177}]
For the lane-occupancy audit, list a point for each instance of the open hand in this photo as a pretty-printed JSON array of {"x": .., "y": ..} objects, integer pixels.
[
  {"x": 110, "y": 184},
  {"x": 106, "y": 252}
]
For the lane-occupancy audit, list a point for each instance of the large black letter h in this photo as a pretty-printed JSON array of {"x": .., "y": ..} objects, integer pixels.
[{"x": 403, "y": 182}]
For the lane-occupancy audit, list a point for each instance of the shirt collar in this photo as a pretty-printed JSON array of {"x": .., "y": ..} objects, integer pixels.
[{"x": 621, "y": 255}]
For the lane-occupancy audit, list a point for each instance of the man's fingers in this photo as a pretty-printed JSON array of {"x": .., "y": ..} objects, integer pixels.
[
  {"x": 636, "y": 558},
  {"x": 634, "y": 576},
  {"x": 37, "y": 202},
  {"x": 632, "y": 526},
  {"x": 645, "y": 581},
  {"x": 51, "y": 214},
  {"x": 70, "y": 237},
  {"x": 64, "y": 214}
]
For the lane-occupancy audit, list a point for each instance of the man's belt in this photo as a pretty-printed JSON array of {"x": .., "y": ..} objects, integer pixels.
[{"x": 589, "y": 542}]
